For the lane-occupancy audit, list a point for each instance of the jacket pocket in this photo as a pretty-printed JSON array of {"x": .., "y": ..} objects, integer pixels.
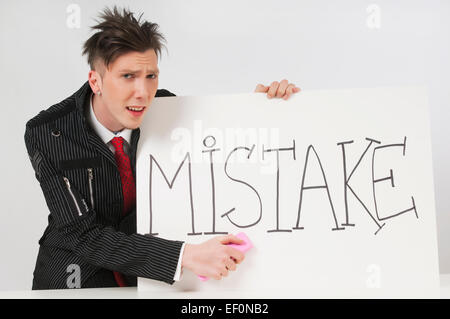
[
  {"x": 78, "y": 202},
  {"x": 90, "y": 162},
  {"x": 64, "y": 201},
  {"x": 82, "y": 179},
  {"x": 91, "y": 188}
]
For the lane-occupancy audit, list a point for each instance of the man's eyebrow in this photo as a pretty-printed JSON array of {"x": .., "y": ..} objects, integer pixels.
[{"x": 137, "y": 71}]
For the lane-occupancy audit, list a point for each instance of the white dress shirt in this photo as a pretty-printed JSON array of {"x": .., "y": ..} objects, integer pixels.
[{"x": 106, "y": 136}]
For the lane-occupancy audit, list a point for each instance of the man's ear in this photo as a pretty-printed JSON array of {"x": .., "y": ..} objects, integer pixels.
[{"x": 95, "y": 81}]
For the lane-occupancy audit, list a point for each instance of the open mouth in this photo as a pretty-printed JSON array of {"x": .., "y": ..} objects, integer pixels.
[{"x": 136, "y": 110}]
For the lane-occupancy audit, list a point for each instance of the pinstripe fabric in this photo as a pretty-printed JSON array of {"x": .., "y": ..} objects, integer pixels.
[{"x": 82, "y": 188}]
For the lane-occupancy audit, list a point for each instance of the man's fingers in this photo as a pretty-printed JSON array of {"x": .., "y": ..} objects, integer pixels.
[
  {"x": 289, "y": 91},
  {"x": 224, "y": 272},
  {"x": 236, "y": 254},
  {"x": 260, "y": 88},
  {"x": 273, "y": 89},
  {"x": 231, "y": 239},
  {"x": 282, "y": 88},
  {"x": 230, "y": 264}
]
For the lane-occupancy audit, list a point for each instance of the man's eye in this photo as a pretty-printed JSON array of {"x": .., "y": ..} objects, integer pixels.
[
  {"x": 151, "y": 76},
  {"x": 128, "y": 76}
]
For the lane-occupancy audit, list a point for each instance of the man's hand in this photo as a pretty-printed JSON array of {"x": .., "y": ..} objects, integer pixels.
[
  {"x": 213, "y": 258},
  {"x": 283, "y": 89}
]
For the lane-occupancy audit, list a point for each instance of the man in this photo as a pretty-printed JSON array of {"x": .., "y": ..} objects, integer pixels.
[{"x": 83, "y": 151}]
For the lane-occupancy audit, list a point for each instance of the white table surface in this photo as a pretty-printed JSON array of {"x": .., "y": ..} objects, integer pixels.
[{"x": 133, "y": 293}]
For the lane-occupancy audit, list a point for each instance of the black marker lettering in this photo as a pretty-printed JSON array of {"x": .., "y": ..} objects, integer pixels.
[
  {"x": 347, "y": 179},
  {"x": 213, "y": 188},
  {"x": 278, "y": 182},
  {"x": 391, "y": 178},
  {"x": 310, "y": 147},
  {"x": 250, "y": 151},
  {"x": 170, "y": 184}
]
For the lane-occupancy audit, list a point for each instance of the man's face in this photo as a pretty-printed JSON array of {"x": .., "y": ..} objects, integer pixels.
[{"x": 127, "y": 89}]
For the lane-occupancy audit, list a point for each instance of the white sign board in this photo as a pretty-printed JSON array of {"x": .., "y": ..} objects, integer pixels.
[{"x": 334, "y": 188}]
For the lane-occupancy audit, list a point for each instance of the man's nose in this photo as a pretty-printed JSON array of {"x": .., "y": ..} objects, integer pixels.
[{"x": 140, "y": 89}]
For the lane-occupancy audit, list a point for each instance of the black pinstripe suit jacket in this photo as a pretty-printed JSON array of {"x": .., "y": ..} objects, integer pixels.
[{"x": 81, "y": 184}]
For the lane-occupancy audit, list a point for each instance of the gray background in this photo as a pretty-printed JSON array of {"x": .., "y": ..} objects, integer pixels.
[{"x": 216, "y": 47}]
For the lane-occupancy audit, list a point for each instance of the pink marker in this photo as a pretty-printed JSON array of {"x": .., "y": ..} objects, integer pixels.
[{"x": 242, "y": 247}]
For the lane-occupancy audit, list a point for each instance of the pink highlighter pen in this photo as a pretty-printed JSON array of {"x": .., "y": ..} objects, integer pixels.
[{"x": 242, "y": 247}]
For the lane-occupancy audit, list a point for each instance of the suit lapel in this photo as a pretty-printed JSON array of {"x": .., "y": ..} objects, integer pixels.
[
  {"x": 100, "y": 146},
  {"x": 133, "y": 148},
  {"x": 82, "y": 101}
]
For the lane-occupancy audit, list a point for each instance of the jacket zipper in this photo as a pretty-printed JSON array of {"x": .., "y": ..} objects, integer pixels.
[
  {"x": 91, "y": 177},
  {"x": 73, "y": 196}
]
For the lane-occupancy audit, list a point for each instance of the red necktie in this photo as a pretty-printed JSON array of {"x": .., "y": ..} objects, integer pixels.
[{"x": 128, "y": 188}]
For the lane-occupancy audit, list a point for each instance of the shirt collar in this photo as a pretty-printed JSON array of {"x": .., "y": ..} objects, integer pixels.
[{"x": 105, "y": 134}]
